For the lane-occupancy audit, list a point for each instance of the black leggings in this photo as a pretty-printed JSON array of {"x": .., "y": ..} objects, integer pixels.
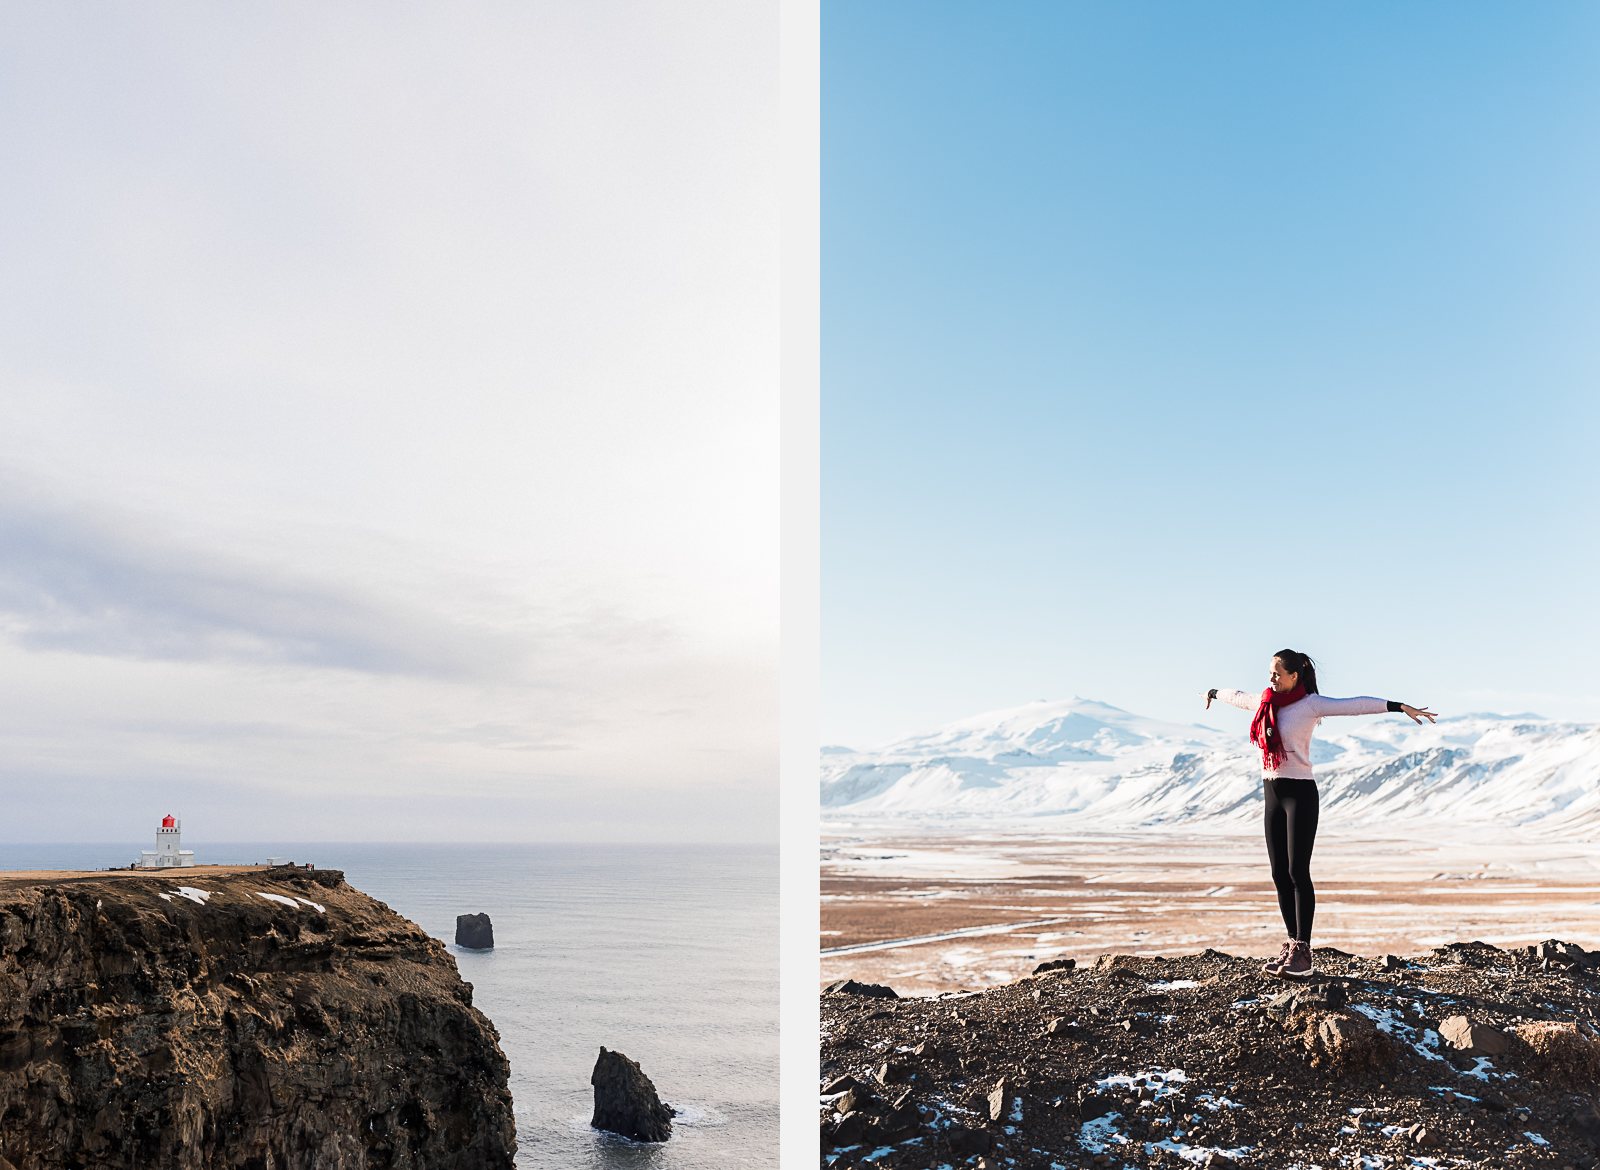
[{"x": 1291, "y": 831}]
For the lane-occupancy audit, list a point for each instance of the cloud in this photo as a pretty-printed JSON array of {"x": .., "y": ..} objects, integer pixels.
[{"x": 85, "y": 584}]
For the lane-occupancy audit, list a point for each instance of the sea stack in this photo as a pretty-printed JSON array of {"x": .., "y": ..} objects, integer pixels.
[
  {"x": 625, "y": 1101},
  {"x": 474, "y": 932}
]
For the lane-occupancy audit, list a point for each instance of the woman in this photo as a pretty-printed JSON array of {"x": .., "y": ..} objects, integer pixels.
[{"x": 1285, "y": 715}]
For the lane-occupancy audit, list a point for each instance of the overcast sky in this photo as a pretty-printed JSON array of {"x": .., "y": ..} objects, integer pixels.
[{"x": 390, "y": 421}]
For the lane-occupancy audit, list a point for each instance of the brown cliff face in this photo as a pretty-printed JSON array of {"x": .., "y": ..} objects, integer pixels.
[{"x": 314, "y": 1030}]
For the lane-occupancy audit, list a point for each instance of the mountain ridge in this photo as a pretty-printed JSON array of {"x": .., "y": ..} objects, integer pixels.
[{"x": 1102, "y": 766}]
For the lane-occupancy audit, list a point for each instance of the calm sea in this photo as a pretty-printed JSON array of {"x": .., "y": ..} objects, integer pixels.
[{"x": 665, "y": 953}]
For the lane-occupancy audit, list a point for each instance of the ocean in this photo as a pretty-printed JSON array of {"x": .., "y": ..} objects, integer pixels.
[{"x": 666, "y": 953}]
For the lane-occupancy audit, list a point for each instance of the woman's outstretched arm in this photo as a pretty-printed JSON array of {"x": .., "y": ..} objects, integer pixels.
[
  {"x": 1243, "y": 700},
  {"x": 1367, "y": 705}
]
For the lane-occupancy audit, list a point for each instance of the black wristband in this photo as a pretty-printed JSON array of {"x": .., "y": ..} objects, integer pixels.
[
  {"x": 1394, "y": 706},
  {"x": 1212, "y": 693}
]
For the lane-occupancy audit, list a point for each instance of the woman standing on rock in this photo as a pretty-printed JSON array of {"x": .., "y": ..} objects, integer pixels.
[{"x": 1286, "y": 713}]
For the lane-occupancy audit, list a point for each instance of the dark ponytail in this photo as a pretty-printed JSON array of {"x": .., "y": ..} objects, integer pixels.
[{"x": 1296, "y": 662}]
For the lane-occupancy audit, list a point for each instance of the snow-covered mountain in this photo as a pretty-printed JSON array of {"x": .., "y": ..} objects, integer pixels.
[{"x": 1107, "y": 768}]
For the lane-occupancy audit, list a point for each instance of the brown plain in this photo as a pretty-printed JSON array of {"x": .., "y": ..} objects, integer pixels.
[{"x": 927, "y": 913}]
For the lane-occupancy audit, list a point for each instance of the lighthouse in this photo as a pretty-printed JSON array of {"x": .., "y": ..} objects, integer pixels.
[{"x": 167, "y": 854}]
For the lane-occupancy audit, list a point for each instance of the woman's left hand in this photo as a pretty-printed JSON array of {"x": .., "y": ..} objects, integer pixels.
[{"x": 1418, "y": 714}]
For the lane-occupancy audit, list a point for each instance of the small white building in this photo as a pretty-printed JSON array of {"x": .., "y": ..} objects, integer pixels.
[{"x": 166, "y": 854}]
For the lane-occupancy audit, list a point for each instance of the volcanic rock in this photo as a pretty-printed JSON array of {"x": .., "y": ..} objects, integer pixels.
[
  {"x": 1202, "y": 1054},
  {"x": 999, "y": 1100},
  {"x": 1055, "y": 965},
  {"x": 1324, "y": 997},
  {"x": 625, "y": 1100},
  {"x": 474, "y": 932},
  {"x": 1475, "y": 1039},
  {"x": 851, "y": 987}
]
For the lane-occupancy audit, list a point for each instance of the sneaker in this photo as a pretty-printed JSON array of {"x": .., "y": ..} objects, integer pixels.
[
  {"x": 1274, "y": 967},
  {"x": 1299, "y": 964}
]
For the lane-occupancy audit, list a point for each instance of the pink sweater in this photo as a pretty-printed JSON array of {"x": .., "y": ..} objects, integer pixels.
[{"x": 1297, "y": 721}]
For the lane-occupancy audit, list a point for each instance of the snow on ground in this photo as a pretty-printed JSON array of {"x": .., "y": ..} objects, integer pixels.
[
  {"x": 198, "y": 897},
  {"x": 292, "y": 903},
  {"x": 1160, "y": 1082},
  {"x": 1391, "y": 1021}
]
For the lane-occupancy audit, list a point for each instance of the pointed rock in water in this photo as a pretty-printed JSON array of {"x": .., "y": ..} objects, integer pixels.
[
  {"x": 625, "y": 1100},
  {"x": 475, "y": 932}
]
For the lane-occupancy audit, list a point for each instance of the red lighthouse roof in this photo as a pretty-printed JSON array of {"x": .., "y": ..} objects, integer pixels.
[{"x": 167, "y": 822}]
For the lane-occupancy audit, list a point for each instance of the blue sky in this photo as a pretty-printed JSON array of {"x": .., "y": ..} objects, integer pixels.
[{"x": 1156, "y": 337}]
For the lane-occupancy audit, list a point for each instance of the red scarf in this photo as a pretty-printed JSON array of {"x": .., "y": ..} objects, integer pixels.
[{"x": 1264, "y": 727}]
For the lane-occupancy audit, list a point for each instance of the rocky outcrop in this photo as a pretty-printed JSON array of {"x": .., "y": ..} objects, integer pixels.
[
  {"x": 1466, "y": 1056},
  {"x": 237, "y": 1020},
  {"x": 625, "y": 1100},
  {"x": 851, "y": 987},
  {"x": 475, "y": 932}
]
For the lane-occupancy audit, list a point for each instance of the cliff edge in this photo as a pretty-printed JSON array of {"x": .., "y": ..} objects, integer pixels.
[{"x": 271, "y": 1019}]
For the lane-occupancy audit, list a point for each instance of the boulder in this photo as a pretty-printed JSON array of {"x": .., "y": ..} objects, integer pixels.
[
  {"x": 966, "y": 1142},
  {"x": 1473, "y": 1038},
  {"x": 1563, "y": 954},
  {"x": 1000, "y": 1100},
  {"x": 1286, "y": 1005},
  {"x": 474, "y": 932},
  {"x": 625, "y": 1100},
  {"x": 1115, "y": 964},
  {"x": 851, "y": 987},
  {"x": 1421, "y": 1135},
  {"x": 839, "y": 1085},
  {"x": 902, "y": 1121},
  {"x": 1344, "y": 1043},
  {"x": 849, "y": 1130}
]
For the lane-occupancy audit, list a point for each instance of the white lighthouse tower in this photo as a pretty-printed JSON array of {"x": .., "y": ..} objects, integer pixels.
[{"x": 167, "y": 854}]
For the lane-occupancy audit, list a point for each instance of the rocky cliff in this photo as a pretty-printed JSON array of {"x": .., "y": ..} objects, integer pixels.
[
  {"x": 215, "y": 1019},
  {"x": 1467, "y": 1056}
]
